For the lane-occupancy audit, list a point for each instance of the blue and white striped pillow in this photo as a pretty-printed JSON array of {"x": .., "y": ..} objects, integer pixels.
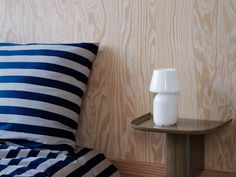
[{"x": 41, "y": 89}]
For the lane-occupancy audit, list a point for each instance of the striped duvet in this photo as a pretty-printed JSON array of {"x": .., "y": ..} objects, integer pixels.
[{"x": 24, "y": 162}]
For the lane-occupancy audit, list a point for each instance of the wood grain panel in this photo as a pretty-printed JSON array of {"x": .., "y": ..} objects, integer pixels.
[
  {"x": 198, "y": 37},
  {"x": 214, "y": 50}
]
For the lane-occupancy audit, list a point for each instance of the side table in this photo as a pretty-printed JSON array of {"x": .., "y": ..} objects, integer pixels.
[{"x": 185, "y": 143}]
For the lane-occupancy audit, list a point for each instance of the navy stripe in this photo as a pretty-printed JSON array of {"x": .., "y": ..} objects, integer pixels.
[
  {"x": 40, "y": 97},
  {"x": 37, "y": 145},
  {"x": 88, "y": 46},
  {"x": 55, "y": 167},
  {"x": 32, "y": 165},
  {"x": 107, "y": 172},
  {"x": 44, "y": 52},
  {"x": 42, "y": 82},
  {"x": 81, "y": 152},
  {"x": 12, "y": 153},
  {"x": 33, "y": 153},
  {"x": 2, "y": 167},
  {"x": 16, "y": 161},
  {"x": 5, "y": 44},
  {"x": 45, "y": 66},
  {"x": 4, "y": 146},
  {"x": 37, "y": 130},
  {"x": 87, "y": 166},
  {"x": 52, "y": 155},
  {"x": 38, "y": 113},
  {"x": 17, "y": 147},
  {"x": 42, "y": 174}
]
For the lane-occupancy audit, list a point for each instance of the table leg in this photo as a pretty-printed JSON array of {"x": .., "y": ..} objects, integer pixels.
[{"x": 185, "y": 155}]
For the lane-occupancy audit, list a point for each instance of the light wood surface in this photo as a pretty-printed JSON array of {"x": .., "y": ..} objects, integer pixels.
[{"x": 197, "y": 37}]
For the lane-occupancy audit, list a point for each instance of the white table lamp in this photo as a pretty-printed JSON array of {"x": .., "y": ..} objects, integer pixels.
[{"x": 165, "y": 105}]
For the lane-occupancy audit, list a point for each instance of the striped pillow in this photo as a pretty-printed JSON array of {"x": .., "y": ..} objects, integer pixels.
[{"x": 41, "y": 89}]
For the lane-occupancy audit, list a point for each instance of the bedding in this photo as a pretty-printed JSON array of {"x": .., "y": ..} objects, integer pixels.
[
  {"x": 17, "y": 161},
  {"x": 41, "y": 90}
]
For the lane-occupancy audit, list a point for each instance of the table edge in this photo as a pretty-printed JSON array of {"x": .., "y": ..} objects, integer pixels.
[{"x": 144, "y": 118}]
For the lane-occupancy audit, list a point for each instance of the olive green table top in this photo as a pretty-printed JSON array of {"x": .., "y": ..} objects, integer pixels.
[{"x": 183, "y": 126}]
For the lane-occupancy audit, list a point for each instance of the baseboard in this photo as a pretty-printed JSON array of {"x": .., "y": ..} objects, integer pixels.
[
  {"x": 211, "y": 173},
  {"x": 145, "y": 169},
  {"x": 139, "y": 169}
]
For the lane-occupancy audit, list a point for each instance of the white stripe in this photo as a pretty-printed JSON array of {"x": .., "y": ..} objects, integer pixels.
[
  {"x": 39, "y": 105},
  {"x": 100, "y": 167},
  {"x": 13, "y": 144},
  {"x": 72, "y": 49},
  {"x": 44, "y": 166},
  {"x": 43, "y": 153},
  {"x": 88, "y": 174},
  {"x": 30, "y": 120},
  {"x": 51, "y": 140},
  {"x": 5, "y": 161},
  {"x": 4, "y": 152},
  {"x": 9, "y": 169},
  {"x": 116, "y": 174},
  {"x": 23, "y": 163},
  {"x": 82, "y": 160},
  {"x": 47, "y": 59},
  {"x": 42, "y": 89},
  {"x": 44, "y": 74},
  {"x": 23, "y": 153},
  {"x": 12, "y": 147},
  {"x": 67, "y": 169}
]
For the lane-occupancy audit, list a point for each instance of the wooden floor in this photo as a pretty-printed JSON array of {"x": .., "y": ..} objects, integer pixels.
[{"x": 144, "y": 169}]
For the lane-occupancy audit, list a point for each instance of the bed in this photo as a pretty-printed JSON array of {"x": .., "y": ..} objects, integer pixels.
[
  {"x": 24, "y": 162},
  {"x": 41, "y": 92}
]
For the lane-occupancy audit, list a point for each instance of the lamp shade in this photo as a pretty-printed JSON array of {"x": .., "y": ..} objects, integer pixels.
[{"x": 164, "y": 81}]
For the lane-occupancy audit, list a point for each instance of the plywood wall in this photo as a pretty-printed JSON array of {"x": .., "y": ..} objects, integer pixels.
[{"x": 198, "y": 37}]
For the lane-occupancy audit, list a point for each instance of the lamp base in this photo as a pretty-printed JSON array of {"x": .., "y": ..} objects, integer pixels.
[{"x": 165, "y": 108}]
